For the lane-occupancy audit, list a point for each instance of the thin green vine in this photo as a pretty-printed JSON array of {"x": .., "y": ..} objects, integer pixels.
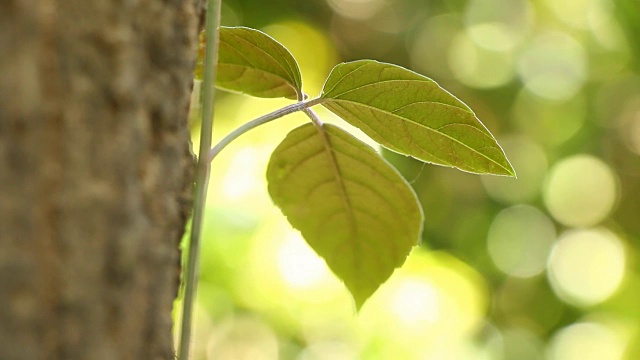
[{"x": 212, "y": 24}]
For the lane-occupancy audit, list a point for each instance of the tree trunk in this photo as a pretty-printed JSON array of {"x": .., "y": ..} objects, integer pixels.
[{"x": 95, "y": 175}]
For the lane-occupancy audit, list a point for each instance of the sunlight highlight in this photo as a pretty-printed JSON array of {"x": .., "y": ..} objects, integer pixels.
[
  {"x": 580, "y": 191},
  {"x": 554, "y": 66},
  {"x": 299, "y": 266},
  {"x": 519, "y": 241},
  {"x": 416, "y": 302},
  {"x": 241, "y": 179},
  {"x": 433, "y": 294},
  {"x": 587, "y": 266},
  {"x": 356, "y": 9},
  {"x": 478, "y": 66},
  {"x": 586, "y": 341},
  {"x": 498, "y": 25}
]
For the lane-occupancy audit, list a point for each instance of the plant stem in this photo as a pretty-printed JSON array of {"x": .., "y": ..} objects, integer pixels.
[
  {"x": 303, "y": 105},
  {"x": 212, "y": 24},
  {"x": 315, "y": 119}
]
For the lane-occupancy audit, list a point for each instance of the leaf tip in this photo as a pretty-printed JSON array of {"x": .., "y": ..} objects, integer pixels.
[
  {"x": 359, "y": 302},
  {"x": 510, "y": 173},
  {"x": 509, "y": 170},
  {"x": 360, "y": 291}
]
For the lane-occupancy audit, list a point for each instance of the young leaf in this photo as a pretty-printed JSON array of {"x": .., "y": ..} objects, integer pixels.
[
  {"x": 251, "y": 62},
  {"x": 350, "y": 205},
  {"x": 410, "y": 114}
]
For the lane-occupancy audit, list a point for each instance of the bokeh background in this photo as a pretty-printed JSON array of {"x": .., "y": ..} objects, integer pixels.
[{"x": 540, "y": 267}]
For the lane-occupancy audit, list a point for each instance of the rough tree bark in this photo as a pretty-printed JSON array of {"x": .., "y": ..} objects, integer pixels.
[{"x": 95, "y": 175}]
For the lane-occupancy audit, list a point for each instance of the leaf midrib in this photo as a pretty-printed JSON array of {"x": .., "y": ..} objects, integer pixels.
[
  {"x": 343, "y": 76},
  {"x": 442, "y": 161},
  {"x": 383, "y": 199},
  {"x": 458, "y": 105},
  {"x": 338, "y": 176},
  {"x": 308, "y": 158},
  {"x": 423, "y": 126},
  {"x": 260, "y": 50},
  {"x": 244, "y": 67},
  {"x": 290, "y": 72}
]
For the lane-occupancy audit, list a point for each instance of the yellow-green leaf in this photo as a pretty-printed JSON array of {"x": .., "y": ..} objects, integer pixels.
[
  {"x": 253, "y": 63},
  {"x": 350, "y": 205},
  {"x": 409, "y": 113}
]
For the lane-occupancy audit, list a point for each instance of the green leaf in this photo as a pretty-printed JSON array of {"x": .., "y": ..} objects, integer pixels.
[
  {"x": 410, "y": 114},
  {"x": 252, "y": 62},
  {"x": 350, "y": 205}
]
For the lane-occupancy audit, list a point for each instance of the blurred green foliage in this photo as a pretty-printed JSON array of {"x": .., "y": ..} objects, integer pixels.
[{"x": 542, "y": 267}]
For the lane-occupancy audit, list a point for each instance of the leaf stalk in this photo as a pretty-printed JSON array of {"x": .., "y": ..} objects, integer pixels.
[{"x": 302, "y": 105}]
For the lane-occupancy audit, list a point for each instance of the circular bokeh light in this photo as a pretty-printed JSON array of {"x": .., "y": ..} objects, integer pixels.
[
  {"x": 520, "y": 239},
  {"x": 580, "y": 191},
  {"x": 586, "y": 266}
]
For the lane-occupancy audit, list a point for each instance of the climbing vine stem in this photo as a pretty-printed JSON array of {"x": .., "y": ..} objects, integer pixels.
[{"x": 190, "y": 277}]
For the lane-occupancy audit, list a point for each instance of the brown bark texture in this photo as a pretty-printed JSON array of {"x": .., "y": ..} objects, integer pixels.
[{"x": 95, "y": 175}]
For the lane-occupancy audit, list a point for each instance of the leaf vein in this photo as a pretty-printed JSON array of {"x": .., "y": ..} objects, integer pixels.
[
  {"x": 343, "y": 77},
  {"x": 252, "y": 35},
  {"x": 374, "y": 109}
]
